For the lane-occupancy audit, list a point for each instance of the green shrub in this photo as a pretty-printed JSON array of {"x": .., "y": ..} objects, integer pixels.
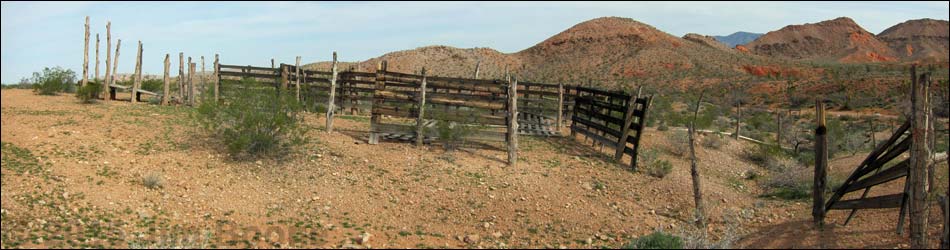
[
  {"x": 53, "y": 80},
  {"x": 763, "y": 153},
  {"x": 89, "y": 93},
  {"x": 714, "y": 141},
  {"x": 253, "y": 120},
  {"x": 153, "y": 180},
  {"x": 659, "y": 168},
  {"x": 452, "y": 134},
  {"x": 153, "y": 85},
  {"x": 656, "y": 240},
  {"x": 679, "y": 143}
]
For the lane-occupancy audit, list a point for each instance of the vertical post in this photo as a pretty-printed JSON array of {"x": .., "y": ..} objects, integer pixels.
[
  {"x": 115, "y": 68},
  {"x": 625, "y": 131},
  {"x": 97, "y": 58},
  {"x": 217, "y": 78},
  {"x": 738, "y": 113},
  {"x": 297, "y": 76},
  {"x": 821, "y": 165},
  {"x": 919, "y": 159},
  {"x": 272, "y": 66},
  {"x": 166, "y": 81},
  {"x": 85, "y": 56},
  {"x": 332, "y": 100},
  {"x": 181, "y": 77},
  {"x": 560, "y": 106},
  {"x": 420, "y": 120},
  {"x": 512, "y": 122},
  {"x": 694, "y": 170},
  {"x": 377, "y": 101},
  {"x": 191, "y": 82},
  {"x": 284, "y": 76},
  {"x": 108, "y": 76},
  {"x": 138, "y": 75},
  {"x": 477, "y": 69},
  {"x": 187, "y": 83}
]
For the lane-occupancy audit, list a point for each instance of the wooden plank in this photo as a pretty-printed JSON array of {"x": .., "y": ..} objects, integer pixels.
[
  {"x": 602, "y": 92},
  {"x": 639, "y": 128},
  {"x": 380, "y": 86},
  {"x": 596, "y": 137},
  {"x": 625, "y": 131},
  {"x": 892, "y": 173},
  {"x": 886, "y": 201},
  {"x": 242, "y": 74},
  {"x": 596, "y": 126}
]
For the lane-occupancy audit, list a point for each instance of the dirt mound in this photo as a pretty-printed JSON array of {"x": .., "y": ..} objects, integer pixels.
[
  {"x": 840, "y": 40},
  {"x": 919, "y": 39}
]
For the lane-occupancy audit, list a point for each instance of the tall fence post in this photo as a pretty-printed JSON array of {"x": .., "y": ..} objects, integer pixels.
[
  {"x": 512, "y": 122},
  {"x": 191, "y": 82},
  {"x": 377, "y": 102},
  {"x": 297, "y": 77},
  {"x": 821, "y": 165},
  {"x": 96, "y": 78},
  {"x": 138, "y": 75},
  {"x": 106, "y": 80},
  {"x": 115, "y": 68},
  {"x": 738, "y": 114},
  {"x": 420, "y": 121},
  {"x": 217, "y": 78},
  {"x": 284, "y": 76},
  {"x": 694, "y": 169},
  {"x": 165, "y": 81},
  {"x": 330, "y": 103},
  {"x": 85, "y": 56},
  {"x": 181, "y": 77},
  {"x": 919, "y": 160},
  {"x": 560, "y": 106}
]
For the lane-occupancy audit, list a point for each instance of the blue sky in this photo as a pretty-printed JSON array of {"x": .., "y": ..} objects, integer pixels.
[{"x": 39, "y": 34}]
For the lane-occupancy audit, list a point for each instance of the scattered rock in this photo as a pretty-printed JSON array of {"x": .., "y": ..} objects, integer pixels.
[
  {"x": 362, "y": 239},
  {"x": 589, "y": 241},
  {"x": 472, "y": 239}
]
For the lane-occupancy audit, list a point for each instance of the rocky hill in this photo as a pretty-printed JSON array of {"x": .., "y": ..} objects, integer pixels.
[
  {"x": 838, "y": 40},
  {"x": 921, "y": 39}
]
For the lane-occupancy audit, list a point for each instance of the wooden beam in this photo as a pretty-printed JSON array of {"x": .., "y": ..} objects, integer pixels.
[
  {"x": 166, "y": 81},
  {"x": 138, "y": 75},
  {"x": 217, "y": 78},
  {"x": 512, "y": 123},
  {"x": 332, "y": 99},
  {"x": 85, "y": 56},
  {"x": 108, "y": 77},
  {"x": 887, "y": 201},
  {"x": 115, "y": 67},
  {"x": 821, "y": 165},
  {"x": 420, "y": 134},
  {"x": 625, "y": 130},
  {"x": 919, "y": 160}
]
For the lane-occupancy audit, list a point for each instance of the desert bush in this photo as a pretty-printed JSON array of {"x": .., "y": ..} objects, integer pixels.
[
  {"x": 678, "y": 143},
  {"x": 656, "y": 240},
  {"x": 788, "y": 180},
  {"x": 762, "y": 154},
  {"x": 154, "y": 85},
  {"x": 662, "y": 127},
  {"x": 695, "y": 237},
  {"x": 53, "y": 80},
  {"x": 659, "y": 168},
  {"x": 88, "y": 93},
  {"x": 452, "y": 135},
  {"x": 152, "y": 180},
  {"x": 714, "y": 141},
  {"x": 255, "y": 121}
]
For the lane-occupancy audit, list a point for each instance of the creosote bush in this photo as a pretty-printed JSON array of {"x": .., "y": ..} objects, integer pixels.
[
  {"x": 88, "y": 93},
  {"x": 53, "y": 80},
  {"x": 656, "y": 240},
  {"x": 152, "y": 180},
  {"x": 659, "y": 168},
  {"x": 253, "y": 120}
]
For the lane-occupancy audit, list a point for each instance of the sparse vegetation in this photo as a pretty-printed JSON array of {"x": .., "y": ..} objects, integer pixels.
[
  {"x": 659, "y": 168},
  {"x": 87, "y": 94},
  {"x": 54, "y": 80},
  {"x": 153, "y": 180},
  {"x": 656, "y": 240}
]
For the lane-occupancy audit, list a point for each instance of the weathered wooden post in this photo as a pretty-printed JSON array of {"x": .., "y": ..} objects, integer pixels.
[
  {"x": 181, "y": 78},
  {"x": 85, "y": 56},
  {"x": 512, "y": 122},
  {"x": 272, "y": 66},
  {"x": 919, "y": 160},
  {"x": 217, "y": 78},
  {"x": 108, "y": 77},
  {"x": 192, "y": 96},
  {"x": 738, "y": 113},
  {"x": 330, "y": 103},
  {"x": 420, "y": 120},
  {"x": 297, "y": 78},
  {"x": 138, "y": 75},
  {"x": 189, "y": 90},
  {"x": 821, "y": 165},
  {"x": 284, "y": 77},
  {"x": 377, "y": 102},
  {"x": 166, "y": 81},
  {"x": 694, "y": 170},
  {"x": 96, "y": 78},
  {"x": 560, "y": 106},
  {"x": 477, "y": 69},
  {"x": 115, "y": 69},
  {"x": 627, "y": 122}
]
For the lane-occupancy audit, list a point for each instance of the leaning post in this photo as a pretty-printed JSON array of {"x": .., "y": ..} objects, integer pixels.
[
  {"x": 165, "y": 81},
  {"x": 330, "y": 103}
]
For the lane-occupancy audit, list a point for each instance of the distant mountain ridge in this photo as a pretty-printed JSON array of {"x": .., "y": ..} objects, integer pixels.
[{"x": 738, "y": 38}]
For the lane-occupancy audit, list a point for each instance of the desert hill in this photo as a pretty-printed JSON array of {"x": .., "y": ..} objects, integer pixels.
[{"x": 921, "y": 39}]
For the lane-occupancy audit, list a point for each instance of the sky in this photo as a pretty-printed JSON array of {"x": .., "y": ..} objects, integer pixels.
[{"x": 46, "y": 34}]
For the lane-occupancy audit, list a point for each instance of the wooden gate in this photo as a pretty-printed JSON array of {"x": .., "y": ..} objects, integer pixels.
[{"x": 611, "y": 119}]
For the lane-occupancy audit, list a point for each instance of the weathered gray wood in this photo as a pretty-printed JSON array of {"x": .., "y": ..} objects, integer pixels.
[
  {"x": 115, "y": 66},
  {"x": 892, "y": 173},
  {"x": 166, "y": 81},
  {"x": 821, "y": 165},
  {"x": 377, "y": 101},
  {"x": 272, "y": 66},
  {"x": 420, "y": 135},
  {"x": 886, "y": 201},
  {"x": 297, "y": 81},
  {"x": 478, "y": 66},
  {"x": 332, "y": 100},
  {"x": 628, "y": 118},
  {"x": 192, "y": 91},
  {"x": 138, "y": 74},
  {"x": 96, "y": 78},
  {"x": 919, "y": 159},
  {"x": 284, "y": 77},
  {"x": 513, "y": 123},
  {"x": 85, "y": 56},
  {"x": 560, "y": 105},
  {"x": 181, "y": 78},
  {"x": 694, "y": 170},
  {"x": 108, "y": 77},
  {"x": 217, "y": 78}
]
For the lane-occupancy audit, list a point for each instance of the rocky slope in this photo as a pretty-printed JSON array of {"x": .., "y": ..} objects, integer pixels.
[
  {"x": 921, "y": 39},
  {"x": 839, "y": 40}
]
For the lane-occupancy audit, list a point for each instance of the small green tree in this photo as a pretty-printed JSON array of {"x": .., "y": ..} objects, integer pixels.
[
  {"x": 53, "y": 80},
  {"x": 89, "y": 93}
]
